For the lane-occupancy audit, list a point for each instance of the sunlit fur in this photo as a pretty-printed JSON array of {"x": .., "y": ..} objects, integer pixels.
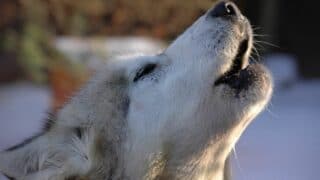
[{"x": 172, "y": 124}]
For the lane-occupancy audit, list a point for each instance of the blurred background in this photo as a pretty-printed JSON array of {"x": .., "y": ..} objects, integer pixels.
[{"x": 49, "y": 48}]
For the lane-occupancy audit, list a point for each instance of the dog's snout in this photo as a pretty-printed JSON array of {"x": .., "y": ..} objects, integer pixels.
[{"x": 224, "y": 9}]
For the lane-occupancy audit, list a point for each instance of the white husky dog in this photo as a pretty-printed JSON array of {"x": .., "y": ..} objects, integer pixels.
[{"x": 176, "y": 115}]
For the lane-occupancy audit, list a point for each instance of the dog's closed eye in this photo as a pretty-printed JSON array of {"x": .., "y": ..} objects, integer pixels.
[
  {"x": 78, "y": 132},
  {"x": 144, "y": 71}
]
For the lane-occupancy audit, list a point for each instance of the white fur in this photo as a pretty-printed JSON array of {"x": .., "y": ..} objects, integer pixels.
[{"x": 178, "y": 125}]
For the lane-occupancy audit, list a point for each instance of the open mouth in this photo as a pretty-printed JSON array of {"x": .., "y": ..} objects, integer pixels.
[{"x": 238, "y": 76}]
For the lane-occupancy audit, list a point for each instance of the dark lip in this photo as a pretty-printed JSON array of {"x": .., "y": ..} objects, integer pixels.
[
  {"x": 236, "y": 75},
  {"x": 238, "y": 81}
]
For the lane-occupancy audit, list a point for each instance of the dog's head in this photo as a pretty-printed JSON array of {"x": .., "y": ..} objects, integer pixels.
[
  {"x": 175, "y": 115},
  {"x": 199, "y": 94}
]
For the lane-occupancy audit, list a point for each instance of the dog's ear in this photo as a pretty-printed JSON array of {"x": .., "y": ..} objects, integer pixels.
[{"x": 53, "y": 155}]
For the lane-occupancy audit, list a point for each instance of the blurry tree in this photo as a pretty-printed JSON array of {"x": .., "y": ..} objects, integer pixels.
[
  {"x": 28, "y": 28},
  {"x": 26, "y": 49},
  {"x": 163, "y": 19}
]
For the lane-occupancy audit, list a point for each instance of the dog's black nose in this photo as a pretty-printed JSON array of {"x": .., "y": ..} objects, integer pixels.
[{"x": 224, "y": 9}]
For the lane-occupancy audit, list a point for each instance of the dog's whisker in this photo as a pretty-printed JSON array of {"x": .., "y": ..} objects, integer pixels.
[
  {"x": 268, "y": 43},
  {"x": 241, "y": 170}
]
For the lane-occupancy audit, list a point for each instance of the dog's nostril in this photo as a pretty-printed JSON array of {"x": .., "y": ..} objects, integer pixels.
[
  {"x": 231, "y": 10},
  {"x": 224, "y": 9}
]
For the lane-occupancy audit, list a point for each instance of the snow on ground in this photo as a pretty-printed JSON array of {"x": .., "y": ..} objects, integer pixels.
[
  {"x": 93, "y": 51},
  {"x": 23, "y": 106},
  {"x": 283, "y": 67},
  {"x": 283, "y": 142}
]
